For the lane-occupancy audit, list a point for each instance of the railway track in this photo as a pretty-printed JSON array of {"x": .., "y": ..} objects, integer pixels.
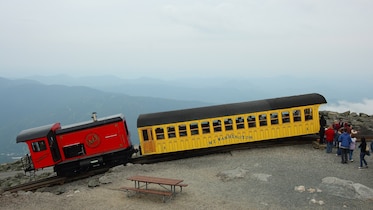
[
  {"x": 34, "y": 185},
  {"x": 52, "y": 181}
]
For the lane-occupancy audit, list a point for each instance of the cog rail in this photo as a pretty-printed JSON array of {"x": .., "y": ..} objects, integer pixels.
[{"x": 52, "y": 181}]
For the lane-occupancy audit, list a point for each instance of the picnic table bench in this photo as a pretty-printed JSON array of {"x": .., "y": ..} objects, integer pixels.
[{"x": 168, "y": 185}]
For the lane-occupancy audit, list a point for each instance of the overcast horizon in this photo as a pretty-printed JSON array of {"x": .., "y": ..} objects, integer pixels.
[
  {"x": 177, "y": 39},
  {"x": 169, "y": 39}
]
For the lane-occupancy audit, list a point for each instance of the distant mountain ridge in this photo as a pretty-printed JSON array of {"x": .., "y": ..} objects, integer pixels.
[
  {"x": 27, "y": 104},
  {"x": 219, "y": 90}
]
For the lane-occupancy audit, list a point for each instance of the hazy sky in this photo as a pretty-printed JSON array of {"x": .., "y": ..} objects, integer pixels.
[{"x": 169, "y": 39}]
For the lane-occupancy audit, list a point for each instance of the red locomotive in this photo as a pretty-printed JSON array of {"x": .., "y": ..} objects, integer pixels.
[{"x": 76, "y": 148}]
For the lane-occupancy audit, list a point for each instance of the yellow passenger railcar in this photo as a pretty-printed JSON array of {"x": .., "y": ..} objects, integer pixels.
[{"x": 221, "y": 125}]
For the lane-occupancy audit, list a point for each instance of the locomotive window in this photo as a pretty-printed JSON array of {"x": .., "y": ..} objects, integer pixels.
[
  {"x": 263, "y": 120},
  {"x": 296, "y": 115},
  {"x": 194, "y": 128},
  {"x": 205, "y": 127},
  {"x": 228, "y": 124},
  {"x": 159, "y": 133},
  {"x": 308, "y": 113},
  {"x": 217, "y": 125},
  {"x": 171, "y": 132},
  {"x": 145, "y": 135},
  {"x": 285, "y": 117},
  {"x": 240, "y": 123},
  {"x": 274, "y": 118},
  {"x": 38, "y": 146},
  {"x": 74, "y": 150},
  {"x": 182, "y": 130},
  {"x": 251, "y": 121}
]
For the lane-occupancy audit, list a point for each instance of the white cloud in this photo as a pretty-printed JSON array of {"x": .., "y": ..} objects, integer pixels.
[{"x": 366, "y": 106}]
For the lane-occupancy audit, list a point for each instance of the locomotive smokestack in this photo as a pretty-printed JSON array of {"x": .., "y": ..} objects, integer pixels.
[{"x": 94, "y": 116}]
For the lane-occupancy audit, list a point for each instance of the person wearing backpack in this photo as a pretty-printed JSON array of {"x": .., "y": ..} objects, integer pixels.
[{"x": 345, "y": 141}]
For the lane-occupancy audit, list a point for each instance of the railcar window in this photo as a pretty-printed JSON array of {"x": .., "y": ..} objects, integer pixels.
[
  {"x": 217, "y": 125},
  {"x": 182, "y": 130},
  {"x": 251, "y": 121},
  {"x": 274, "y": 118},
  {"x": 38, "y": 146},
  {"x": 159, "y": 133},
  {"x": 240, "y": 123},
  {"x": 285, "y": 117},
  {"x": 145, "y": 135},
  {"x": 296, "y": 115},
  {"x": 308, "y": 113},
  {"x": 205, "y": 127},
  {"x": 263, "y": 120},
  {"x": 194, "y": 128},
  {"x": 228, "y": 124},
  {"x": 171, "y": 132}
]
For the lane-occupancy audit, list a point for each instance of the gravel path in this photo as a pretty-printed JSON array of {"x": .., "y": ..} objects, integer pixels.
[{"x": 288, "y": 177}]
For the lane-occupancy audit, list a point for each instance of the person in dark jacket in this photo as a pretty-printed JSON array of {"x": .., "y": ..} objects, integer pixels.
[
  {"x": 344, "y": 141},
  {"x": 363, "y": 146},
  {"x": 322, "y": 129}
]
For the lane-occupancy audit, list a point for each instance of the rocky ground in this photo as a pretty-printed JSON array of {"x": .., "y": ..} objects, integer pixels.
[{"x": 286, "y": 177}]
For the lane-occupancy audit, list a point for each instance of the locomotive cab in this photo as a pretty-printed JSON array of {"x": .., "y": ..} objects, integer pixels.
[
  {"x": 79, "y": 147},
  {"x": 42, "y": 144}
]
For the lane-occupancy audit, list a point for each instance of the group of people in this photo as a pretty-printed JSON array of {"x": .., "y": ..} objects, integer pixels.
[{"x": 341, "y": 135}]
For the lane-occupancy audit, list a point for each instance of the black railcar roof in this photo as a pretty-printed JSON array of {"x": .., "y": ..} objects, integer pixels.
[
  {"x": 34, "y": 133},
  {"x": 90, "y": 124},
  {"x": 229, "y": 109}
]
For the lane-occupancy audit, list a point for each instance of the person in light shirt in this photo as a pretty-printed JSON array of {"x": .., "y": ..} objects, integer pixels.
[{"x": 352, "y": 145}]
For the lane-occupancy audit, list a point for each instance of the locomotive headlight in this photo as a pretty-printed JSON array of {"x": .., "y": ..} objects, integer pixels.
[{"x": 94, "y": 161}]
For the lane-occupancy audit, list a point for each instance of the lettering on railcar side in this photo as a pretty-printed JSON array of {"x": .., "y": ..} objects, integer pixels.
[{"x": 232, "y": 136}]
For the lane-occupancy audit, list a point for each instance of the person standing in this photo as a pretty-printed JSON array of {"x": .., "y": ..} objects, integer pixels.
[
  {"x": 345, "y": 141},
  {"x": 336, "y": 139},
  {"x": 336, "y": 127},
  {"x": 363, "y": 146},
  {"x": 352, "y": 146},
  {"x": 322, "y": 129},
  {"x": 329, "y": 136}
]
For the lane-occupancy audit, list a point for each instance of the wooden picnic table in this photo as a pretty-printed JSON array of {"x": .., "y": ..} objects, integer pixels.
[{"x": 142, "y": 183}]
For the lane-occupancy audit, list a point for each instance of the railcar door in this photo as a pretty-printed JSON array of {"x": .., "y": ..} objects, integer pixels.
[
  {"x": 297, "y": 123},
  {"x": 311, "y": 124},
  {"x": 148, "y": 142},
  {"x": 263, "y": 127},
  {"x": 53, "y": 145}
]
